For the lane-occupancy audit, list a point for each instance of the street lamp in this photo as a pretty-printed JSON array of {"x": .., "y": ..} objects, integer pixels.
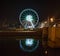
[{"x": 51, "y": 19}]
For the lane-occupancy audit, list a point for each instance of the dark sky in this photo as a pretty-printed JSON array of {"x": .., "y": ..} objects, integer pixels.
[{"x": 10, "y": 10}]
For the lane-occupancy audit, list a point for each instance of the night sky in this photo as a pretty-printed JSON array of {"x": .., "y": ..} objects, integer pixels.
[{"x": 10, "y": 10}]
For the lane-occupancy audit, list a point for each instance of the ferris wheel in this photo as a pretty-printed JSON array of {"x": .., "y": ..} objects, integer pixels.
[{"x": 29, "y": 19}]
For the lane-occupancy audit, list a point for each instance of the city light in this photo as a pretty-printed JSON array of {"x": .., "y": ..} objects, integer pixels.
[
  {"x": 54, "y": 25},
  {"x": 42, "y": 25},
  {"x": 51, "y": 19},
  {"x": 45, "y": 22}
]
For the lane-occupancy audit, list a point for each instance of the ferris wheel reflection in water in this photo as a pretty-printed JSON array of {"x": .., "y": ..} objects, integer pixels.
[{"x": 29, "y": 19}]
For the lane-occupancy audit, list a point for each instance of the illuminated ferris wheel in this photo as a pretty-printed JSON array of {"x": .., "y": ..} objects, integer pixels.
[{"x": 28, "y": 18}]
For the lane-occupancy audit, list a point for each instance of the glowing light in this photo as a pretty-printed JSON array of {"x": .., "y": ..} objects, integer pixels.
[
  {"x": 42, "y": 25},
  {"x": 46, "y": 52},
  {"x": 29, "y": 18},
  {"x": 45, "y": 22},
  {"x": 29, "y": 45},
  {"x": 52, "y": 19},
  {"x": 54, "y": 25},
  {"x": 29, "y": 42}
]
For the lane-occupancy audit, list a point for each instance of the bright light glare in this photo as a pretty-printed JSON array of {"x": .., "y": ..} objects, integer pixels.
[
  {"x": 52, "y": 19},
  {"x": 54, "y": 25},
  {"x": 42, "y": 25},
  {"x": 45, "y": 22},
  {"x": 29, "y": 18},
  {"x": 29, "y": 42}
]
